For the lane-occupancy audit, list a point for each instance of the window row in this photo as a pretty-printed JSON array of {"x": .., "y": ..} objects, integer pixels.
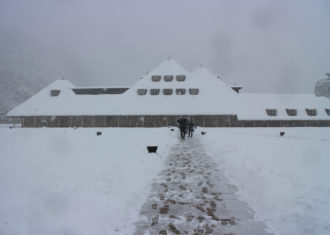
[
  {"x": 168, "y": 91},
  {"x": 293, "y": 112},
  {"x": 168, "y": 78}
]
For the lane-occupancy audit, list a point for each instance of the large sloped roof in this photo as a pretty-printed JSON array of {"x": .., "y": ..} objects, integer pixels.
[
  {"x": 208, "y": 101},
  {"x": 214, "y": 97}
]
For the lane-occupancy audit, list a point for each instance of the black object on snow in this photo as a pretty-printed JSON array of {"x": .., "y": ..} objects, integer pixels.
[
  {"x": 203, "y": 132},
  {"x": 98, "y": 133},
  {"x": 172, "y": 129},
  {"x": 152, "y": 149},
  {"x": 282, "y": 133}
]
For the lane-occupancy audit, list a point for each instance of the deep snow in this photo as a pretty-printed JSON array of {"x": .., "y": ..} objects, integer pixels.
[
  {"x": 66, "y": 181},
  {"x": 284, "y": 179}
]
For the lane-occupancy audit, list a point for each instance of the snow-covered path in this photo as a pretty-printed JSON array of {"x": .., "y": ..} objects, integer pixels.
[{"x": 191, "y": 196}]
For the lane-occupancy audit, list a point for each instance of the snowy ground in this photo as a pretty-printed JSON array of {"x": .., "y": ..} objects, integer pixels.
[
  {"x": 66, "y": 181},
  {"x": 284, "y": 179},
  {"x": 192, "y": 196}
]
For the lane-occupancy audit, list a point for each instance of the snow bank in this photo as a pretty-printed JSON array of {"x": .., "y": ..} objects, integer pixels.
[
  {"x": 284, "y": 179},
  {"x": 66, "y": 181}
]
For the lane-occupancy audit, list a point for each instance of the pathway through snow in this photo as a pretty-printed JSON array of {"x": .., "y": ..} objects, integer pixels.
[{"x": 191, "y": 196}]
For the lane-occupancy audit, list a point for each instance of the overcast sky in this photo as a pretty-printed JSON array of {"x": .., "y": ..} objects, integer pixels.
[{"x": 264, "y": 45}]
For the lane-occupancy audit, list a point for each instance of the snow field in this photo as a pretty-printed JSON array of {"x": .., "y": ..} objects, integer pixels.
[
  {"x": 285, "y": 180},
  {"x": 66, "y": 181}
]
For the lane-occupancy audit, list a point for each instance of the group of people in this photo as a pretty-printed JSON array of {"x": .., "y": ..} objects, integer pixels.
[{"x": 184, "y": 126}]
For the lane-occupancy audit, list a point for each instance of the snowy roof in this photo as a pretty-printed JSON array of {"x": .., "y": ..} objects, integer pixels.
[
  {"x": 214, "y": 97},
  {"x": 253, "y": 106},
  {"x": 323, "y": 82},
  {"x": 60, "y": 85}
]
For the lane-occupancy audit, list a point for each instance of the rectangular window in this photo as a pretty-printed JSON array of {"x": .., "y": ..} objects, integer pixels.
[
  {"x": 154, "y": 91},
  {"x": 142, "y": 91},
  {"x": 180, "y": 91},
  {"x": 43, "y": 119},
  {"x": 180, "y": 78},
  {"x": 54, "y": 92},
  {"x": 168, "y": 78},
  {"x": 327, "y": 111},
  {"x": 193, "y": 91},
  {"x": 291, "y": 112},
  {"x": 155, "y": 78},
  {"x": 271, "y": 112},
  {"x": 311, "y": 112},
  {"x": 167, "y": 91},
  {"x": 99, "y": 91}
]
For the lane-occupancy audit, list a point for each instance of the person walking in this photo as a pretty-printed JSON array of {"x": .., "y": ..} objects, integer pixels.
[
  {"x": 191, "y": 126},
  {"x": 183, "y": 124}
]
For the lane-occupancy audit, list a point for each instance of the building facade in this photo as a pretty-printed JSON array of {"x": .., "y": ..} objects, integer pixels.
[{"x": 162, "y": 96}]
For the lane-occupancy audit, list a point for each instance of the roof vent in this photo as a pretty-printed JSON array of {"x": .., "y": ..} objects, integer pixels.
[
  {"x": 142, "y": 91},
  {"x": 155, "y": 78},
  {"x": 168, "y": 78},
  {"x": 311, "y": 112},
  {"x": 327, "y": 111},
  {"x": 236, "y": 88},
  {"x": 271, "y": 112},
  {"x": 167, "y": 91},
  {"x": 154, "y": 91},
  {"x": 54, "y": 92},
  {"x": 193, "y": 91},
  {"x": 180, "y": 78},
  {"x": 180, "y": 91},
  {"x": 291, "y": 112}
]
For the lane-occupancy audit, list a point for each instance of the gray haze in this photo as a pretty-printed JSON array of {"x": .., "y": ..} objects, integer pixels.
[{"x": 263, "y": 45}]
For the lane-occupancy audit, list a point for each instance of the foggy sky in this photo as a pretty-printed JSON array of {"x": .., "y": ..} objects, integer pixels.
[{"x": 264, "y": 45}]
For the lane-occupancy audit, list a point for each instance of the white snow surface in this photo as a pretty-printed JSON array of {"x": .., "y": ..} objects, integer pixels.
[
  {"x": 66, "y": 181},
  {"x": 215, "y": 98},
  {"x": 284, "y": 179}
]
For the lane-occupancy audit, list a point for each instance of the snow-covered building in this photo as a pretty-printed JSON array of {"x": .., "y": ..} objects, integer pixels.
[
  {"x": 162, "y": 96},
  {"x": 322, "y": 87}
]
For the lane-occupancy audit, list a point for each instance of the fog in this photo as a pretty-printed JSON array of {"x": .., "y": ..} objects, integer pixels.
[{"x": 263, "y": 45}]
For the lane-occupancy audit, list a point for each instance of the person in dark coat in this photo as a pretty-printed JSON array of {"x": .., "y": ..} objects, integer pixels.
[
  {"x": 183, "y": 124},
  {"x": 191, "y": 126}
]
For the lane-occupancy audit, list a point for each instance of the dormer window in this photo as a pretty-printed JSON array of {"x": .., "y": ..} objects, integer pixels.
[
  {"x": 168, "y": 78},
  {"x": 180, "y": 78},
  {"x": 271, "y": 112},
  {"x": 180, "y": 91},
  {"x": 142, "y": 91},
  {"x": 311, "y": 112},
  {"x": 327, "y": 111},
  {"x": 156, "y": 78},
  {"x": 291, "y": 112},
  {"x": 167, "y": 91},
  {"x": 154, "y": 91},
  {"x": 193, "y": 91},
  {"x": 54, "y": 92}
]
